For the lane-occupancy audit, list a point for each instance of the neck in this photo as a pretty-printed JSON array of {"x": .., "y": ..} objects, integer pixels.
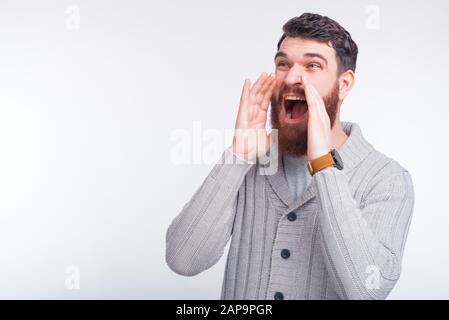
[{"x": 338, "y": 135}]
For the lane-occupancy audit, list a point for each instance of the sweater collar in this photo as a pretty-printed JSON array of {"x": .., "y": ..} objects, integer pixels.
[{"x": 352, "y": 152}]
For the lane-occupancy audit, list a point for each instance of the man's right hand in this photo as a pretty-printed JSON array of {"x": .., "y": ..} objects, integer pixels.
[{"x": 250, "y": 136}]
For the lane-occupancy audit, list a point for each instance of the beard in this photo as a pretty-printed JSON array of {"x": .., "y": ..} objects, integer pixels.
[{"x": 292, "y": 137}]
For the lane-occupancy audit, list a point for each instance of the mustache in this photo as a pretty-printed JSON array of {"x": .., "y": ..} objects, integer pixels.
[{"x": 297, "y": 91}]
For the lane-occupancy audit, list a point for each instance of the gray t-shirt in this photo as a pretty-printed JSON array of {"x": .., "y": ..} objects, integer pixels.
[{"x": 298, "y": 176}]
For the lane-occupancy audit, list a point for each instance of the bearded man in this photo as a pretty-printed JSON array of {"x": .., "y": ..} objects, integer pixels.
[{"x": 332, "y": 221}]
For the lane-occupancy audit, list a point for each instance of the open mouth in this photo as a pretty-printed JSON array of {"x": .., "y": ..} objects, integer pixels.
[{"x": 295, "y": 107}]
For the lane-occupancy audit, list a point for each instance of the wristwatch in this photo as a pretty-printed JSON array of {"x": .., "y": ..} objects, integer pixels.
[{"x": 331, "y": 158}]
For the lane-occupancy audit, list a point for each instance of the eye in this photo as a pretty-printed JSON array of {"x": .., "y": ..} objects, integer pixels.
[
  {"x": 282, "y": 64},
  {"x": 314, "y": 65}
]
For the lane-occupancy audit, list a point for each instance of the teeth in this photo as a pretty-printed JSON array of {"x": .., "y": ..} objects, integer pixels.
[
  {"x": 289, "y": 113},
  {"x": 293, "y": 98}
]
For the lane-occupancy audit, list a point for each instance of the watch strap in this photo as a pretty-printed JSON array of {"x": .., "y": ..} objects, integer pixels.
[{"x": 321, "y": 163}]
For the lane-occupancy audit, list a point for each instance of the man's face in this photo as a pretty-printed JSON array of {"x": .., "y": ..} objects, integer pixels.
[{"x": 298, "y": 57}]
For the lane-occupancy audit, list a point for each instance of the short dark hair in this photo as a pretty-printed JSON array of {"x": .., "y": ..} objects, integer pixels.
[{"x": 321, "y": 28}]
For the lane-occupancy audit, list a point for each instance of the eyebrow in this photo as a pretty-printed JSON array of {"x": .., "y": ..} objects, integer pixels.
[
  {"x": 280, "y": 54},
  {"x": 307, "y": 54}
]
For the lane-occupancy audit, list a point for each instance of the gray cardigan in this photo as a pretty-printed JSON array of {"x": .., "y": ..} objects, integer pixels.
[{"x": 343, "y": 238}]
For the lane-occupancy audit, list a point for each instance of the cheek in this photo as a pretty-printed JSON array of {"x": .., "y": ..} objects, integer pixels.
[
  {"x": 280, "y": 76},
  {"x": 323, "y": 86}
]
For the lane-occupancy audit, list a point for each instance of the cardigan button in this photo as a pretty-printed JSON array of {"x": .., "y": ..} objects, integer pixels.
[
  {"x": 278, "y": 296},
  {"x": 291, "y": 216},
  {"x": 285, "y": 253}
]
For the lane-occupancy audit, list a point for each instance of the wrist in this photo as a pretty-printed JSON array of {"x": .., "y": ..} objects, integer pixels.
[
  {"x": 330, "y": 159},
  {"x": 242, "y": 156},
  {"x": 318, "y": 154}
]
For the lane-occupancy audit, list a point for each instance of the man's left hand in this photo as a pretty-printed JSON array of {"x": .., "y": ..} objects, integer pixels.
[{"x": 318, "y": 128}]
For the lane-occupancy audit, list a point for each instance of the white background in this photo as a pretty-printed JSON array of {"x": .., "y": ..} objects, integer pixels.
[{"x": 87, "y": 113}]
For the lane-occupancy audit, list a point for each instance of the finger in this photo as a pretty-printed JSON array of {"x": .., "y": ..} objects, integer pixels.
[
  {"x": 269, "y": 93},
  {"x": 265, "y": 101},
  {"x": 245, "y": 92},
  {"x": 317, "y": 103},
  {"x": 260, "y": 97},
  {"x": 266, "y": 84},
  {"x": 256, "y": 87},
  {"x": 259, "y": 82},
  {"x": 244, "y": 97},
  {"x": 310, "y": 97},
  {"x": 321, "y": 108},
  {"x": 257, "y": 97}
]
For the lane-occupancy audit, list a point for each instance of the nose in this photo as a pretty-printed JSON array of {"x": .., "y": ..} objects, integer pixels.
[{"x": 294, "y": 76}]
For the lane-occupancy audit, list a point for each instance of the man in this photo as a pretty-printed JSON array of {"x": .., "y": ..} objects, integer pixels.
[{"x": 332, "y": 221}]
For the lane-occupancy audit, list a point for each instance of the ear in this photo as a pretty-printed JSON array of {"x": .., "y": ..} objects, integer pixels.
[{"x": 345, "y": 83}]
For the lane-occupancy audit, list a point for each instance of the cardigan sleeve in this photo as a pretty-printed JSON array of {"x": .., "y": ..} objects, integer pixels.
[
  {"x": 196, "y": 238},
  {"x": 363, "y": 244}
]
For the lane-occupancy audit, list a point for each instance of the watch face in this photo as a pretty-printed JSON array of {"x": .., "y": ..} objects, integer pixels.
[{"x": 337, "y": 159}]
